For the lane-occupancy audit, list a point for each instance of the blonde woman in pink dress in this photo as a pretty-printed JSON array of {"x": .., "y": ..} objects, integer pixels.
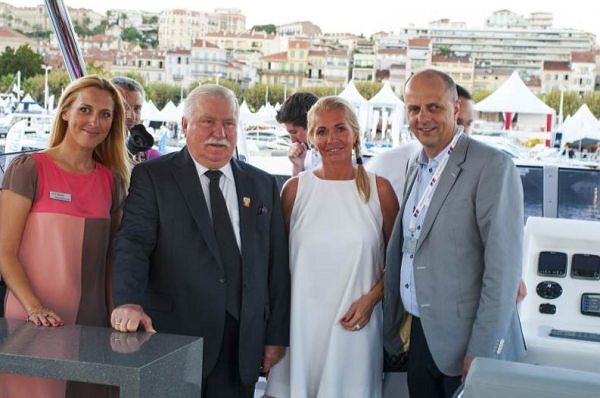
[{"x": 59, "y": 208}]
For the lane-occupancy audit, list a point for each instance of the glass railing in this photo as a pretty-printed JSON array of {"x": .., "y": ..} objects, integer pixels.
[
  {"x": 578, "y": 194},
  {"x": 548, "y": 191}
]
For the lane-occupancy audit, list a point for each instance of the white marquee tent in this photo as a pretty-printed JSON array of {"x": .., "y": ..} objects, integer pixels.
[
  {"x": 361, "y": 105},
  {"x": 583, "y": 124},
  {"x": 170, "y": 113},
  {"x": 391, "y": 109},
  {"x": 515, "y": 97},
  {"x": 150, "y": 112}
]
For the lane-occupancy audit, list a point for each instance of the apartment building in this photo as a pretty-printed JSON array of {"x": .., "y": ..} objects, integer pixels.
[
  {"x": 363, "y": 60},
  {"x": 583, "y": 71},
  {"x": 390, "y": 65},
  {"x": 229, "y": 20},
  {"x": 460, "y": 68},
  {"x": 12, "y": 38},
  {"x": 417, "y": 54},
  {"x": 237, "y": 43},
  {"x": 302, "y": 28},
  {"x": 578, "y": 75},
  {"x": 179, "y": 28},
  {"x": 523, "y": 49},
  {"x": 288, "y": 67},
  {"x": 207, "y": 61},
  {"x": 337, "y": 68},
  {"x": 488, "y": 79},
  {"x": 150, "y": 64},
  {"x": 178, "y": 66},
  {"x": 31, "y": 19}
]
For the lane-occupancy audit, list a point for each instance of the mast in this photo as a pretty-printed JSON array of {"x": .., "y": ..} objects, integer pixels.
[{"x": 67, "y": 40}]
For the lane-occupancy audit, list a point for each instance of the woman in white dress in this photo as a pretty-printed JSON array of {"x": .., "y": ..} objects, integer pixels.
[{"x": 339, "y": 218}]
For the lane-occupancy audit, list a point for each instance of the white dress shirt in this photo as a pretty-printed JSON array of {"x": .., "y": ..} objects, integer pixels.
[
  {"x": 227, "y": 185},
  {"x": 427, "y": 168}
]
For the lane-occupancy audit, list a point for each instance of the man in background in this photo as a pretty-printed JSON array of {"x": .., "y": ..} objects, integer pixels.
[
  {"x": 133, "y": 100},
  {"x": 466, "y": 115},
  {"x": 293, "y": 116}
]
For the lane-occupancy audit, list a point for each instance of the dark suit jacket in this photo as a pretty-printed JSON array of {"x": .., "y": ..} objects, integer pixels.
[{"x": 166, "y": 258}]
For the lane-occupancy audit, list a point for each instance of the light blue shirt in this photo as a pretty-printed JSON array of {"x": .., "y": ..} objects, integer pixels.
[{"x": 426, "y": 170}]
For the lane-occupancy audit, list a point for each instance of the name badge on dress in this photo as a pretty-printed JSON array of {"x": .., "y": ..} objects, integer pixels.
[
  {"x": 409, "y": 245},
  {"x": 63, "y": 197}
]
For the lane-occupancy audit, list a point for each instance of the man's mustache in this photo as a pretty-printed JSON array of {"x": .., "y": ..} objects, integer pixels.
[{"x": 218, "y": 141}]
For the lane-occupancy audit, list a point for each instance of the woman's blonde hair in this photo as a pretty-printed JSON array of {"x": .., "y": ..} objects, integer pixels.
[
  {"x": 328, "y": 104},
  {"x": 112, "y": 152}
]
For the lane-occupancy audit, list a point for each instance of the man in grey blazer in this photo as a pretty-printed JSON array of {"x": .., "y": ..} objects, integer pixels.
[
  {"x": 202, "y": 251},
  {"x": 454, "y": 257}
]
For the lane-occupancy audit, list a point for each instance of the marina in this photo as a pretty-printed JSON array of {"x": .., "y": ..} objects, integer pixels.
[{"x": 556, "y": 153}]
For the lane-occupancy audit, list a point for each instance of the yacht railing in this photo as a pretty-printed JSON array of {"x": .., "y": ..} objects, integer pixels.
[{"x": 548, "y": 190}]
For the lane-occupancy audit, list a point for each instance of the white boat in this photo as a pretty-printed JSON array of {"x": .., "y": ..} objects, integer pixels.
[{"x": 36, "y": 130}]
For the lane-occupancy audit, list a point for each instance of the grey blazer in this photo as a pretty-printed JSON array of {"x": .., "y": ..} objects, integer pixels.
[{"x": 467, "y": 264}]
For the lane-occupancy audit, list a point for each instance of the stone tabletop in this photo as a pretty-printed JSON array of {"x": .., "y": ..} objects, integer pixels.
[{"x": 141, "y": 364}]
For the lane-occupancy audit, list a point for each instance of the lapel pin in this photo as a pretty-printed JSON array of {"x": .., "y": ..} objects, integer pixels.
[{"x": 246, "y": 201}]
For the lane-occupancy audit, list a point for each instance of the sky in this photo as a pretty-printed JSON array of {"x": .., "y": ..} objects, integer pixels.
[{"x": 368, "y": 16}]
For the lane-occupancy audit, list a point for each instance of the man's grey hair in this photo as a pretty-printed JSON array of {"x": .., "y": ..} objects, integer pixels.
[
  {"x": 128, "y": 84},
  {"x": 448, "y": 81},
  {"x": 208, "y": 90}
]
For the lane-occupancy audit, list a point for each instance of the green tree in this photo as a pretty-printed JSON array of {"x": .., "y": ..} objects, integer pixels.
[
  {"x": 100, "y": 28},
  {"x": 368, "y": 89},
  {"x": 269, "y": 28},
  {"x": 24, "y": 59},
  {"x": 480, "y": 95},
  {"x": 443, "y": 50},
  {"x": 6, "y": 82},
  {"x": 593, "y": 102},
  {"x": 133, "y": 75},
  {"x": 81, "y": 31},
  {"x": 131, "y": 34},
  {"x": 161, "y": 93},
  {"x": 150, "y": 20},
  {"x": 93, "y": 69},
  {"x": 319, "y": 91},
  {"x": 34, "y": 86},
  {"x": 39, "y": 34},
  {"x": 230, "y": 84},
  {"x": 57, "y": 81},
  {"x": 255, "y": 95},
  {"x": 571, "y": 102}
]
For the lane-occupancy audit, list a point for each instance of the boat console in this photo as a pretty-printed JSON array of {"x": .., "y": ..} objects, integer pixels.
[{"x": 560, "y": 316}]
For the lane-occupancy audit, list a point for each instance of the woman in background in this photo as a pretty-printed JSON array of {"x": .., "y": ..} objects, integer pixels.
[
  {"x": 59, "y": 208},
  {"x": 339, "y": 218}
]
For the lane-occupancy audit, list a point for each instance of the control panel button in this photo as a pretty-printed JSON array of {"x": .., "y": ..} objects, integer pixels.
[
  {"x": 547, "y": 308},
  {"x": 548, "y": 290}
]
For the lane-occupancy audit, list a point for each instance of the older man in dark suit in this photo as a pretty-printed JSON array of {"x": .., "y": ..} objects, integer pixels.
[{"x": 202, "y": 250}]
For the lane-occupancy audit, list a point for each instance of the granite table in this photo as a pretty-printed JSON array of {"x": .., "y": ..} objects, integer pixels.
[{"x": 140, "y": 364}]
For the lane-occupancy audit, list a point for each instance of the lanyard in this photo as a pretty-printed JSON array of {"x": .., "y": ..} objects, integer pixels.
[{"x": 425, "y": 200}]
